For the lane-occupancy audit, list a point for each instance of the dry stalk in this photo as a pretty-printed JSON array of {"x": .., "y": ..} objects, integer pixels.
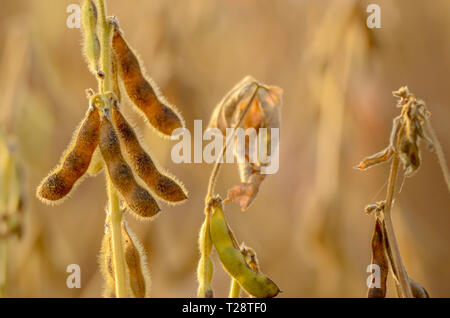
[
  {"x": 216, "y": 168},
  {"x": 397, "y": 264},
  {"x": 407, "y": 131}
]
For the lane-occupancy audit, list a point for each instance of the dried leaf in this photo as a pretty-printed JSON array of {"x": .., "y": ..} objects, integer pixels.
[
  {"x": 264, "y": 112},
  {"x": 380, "y": 157},
  {"x": 244, "y": 193}
]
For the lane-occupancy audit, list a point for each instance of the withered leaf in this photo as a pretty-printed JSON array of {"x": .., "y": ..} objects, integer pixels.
[
  {"x": 264, "y": 112},
  {"x": 380, "y": 157},
  {"x": 244, "y": 193}
]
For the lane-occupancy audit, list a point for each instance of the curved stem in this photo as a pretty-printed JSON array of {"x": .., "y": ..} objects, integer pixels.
[
  {"x": 396, "y": 261},
  {"x": 235, "y": 289},
  {"x": 215, "y": 171},
  {"x": 3, "y": 266}
]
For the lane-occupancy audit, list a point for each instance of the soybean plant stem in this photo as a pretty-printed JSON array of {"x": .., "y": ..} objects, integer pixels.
[
  {"x": 117, "y": 244},
  {"x": 3, "y": 266},
  {"x": 396, "y": 259},
  {"x": 114, "y": 208},
  {"x": 105, "y": 59},
  {"x": 235, "y": 289},
  {"x": 215, "y": 171}
]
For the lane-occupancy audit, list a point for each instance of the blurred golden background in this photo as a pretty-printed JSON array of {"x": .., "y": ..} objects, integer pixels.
[{"x": 307, "y": 224}]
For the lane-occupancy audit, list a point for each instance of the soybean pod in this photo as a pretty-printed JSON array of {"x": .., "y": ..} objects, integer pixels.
[
  {"x": 162, "y": 185},
  {"x": 136, "y": 197},
  {"x": 75, "y": 162},
  {"x": 142, "y": 91},
  {"x": 254, "y": 283}
]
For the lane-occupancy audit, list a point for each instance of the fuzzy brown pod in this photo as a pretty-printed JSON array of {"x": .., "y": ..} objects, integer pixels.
[
  {"x": 135, "y": 260},
  {"x": 106, "y": 264},
  {"x": 164, "y": 186},
  {"x": 379, "y": 257},
  {"x": 263, "y": 114},
  {"x": 138, "y": 199},
  {"x": 142, "y": 91},
  {"x": 138, "y": 277},
  {"x": 74, "y": 163}
]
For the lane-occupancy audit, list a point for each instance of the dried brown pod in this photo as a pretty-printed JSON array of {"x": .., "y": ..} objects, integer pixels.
[
  {"x": 136, "y": 197},
  {"x": 379, "y": 258},
  {"x": 74, "y": 162},
  {"x": 142, "y": 91},
  {"x": 161, "y": 184},
  {"x": 138, "y": 275},
  {"x": 115, "y": 73},
  {"x": 410, "y": 156},
  {"x": 417, "y": 290},
  {"x": 106, "y": 264}
]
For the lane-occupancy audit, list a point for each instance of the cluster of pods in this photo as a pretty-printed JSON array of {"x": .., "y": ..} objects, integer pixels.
[{"x": 106, "y": 139}]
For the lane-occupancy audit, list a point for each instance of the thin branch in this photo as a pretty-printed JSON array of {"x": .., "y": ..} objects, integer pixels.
[
  {"x": 215, "y": 171},
  {"x": 3, "y": 266},
  {"x": 396, "y": 260},
  {"x": 235, "y": 289}
]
